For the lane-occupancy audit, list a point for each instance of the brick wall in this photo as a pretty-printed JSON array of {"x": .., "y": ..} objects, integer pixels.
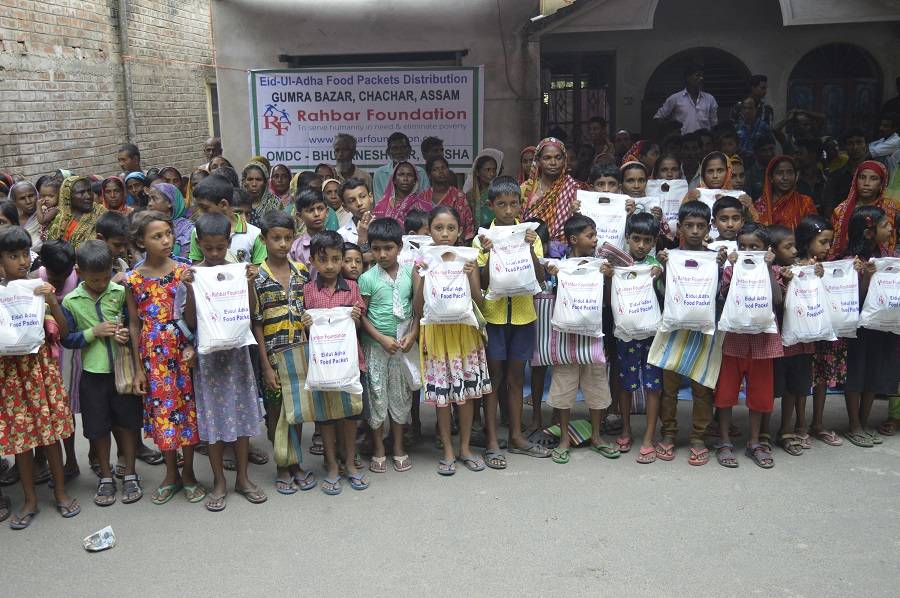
[{"x": 62, "y": 89}]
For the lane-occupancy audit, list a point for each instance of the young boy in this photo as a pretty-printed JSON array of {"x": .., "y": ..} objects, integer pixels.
[
  {"x": 390, "y": 331},
  {"x": 510, "y": 330},
  {"x": 605, "y": 178},
  {"x": 94, "y": 312},
  {"x": 354, "y": 266},
  {"x": 312, "y": 210},
  {"x": 750, "y": 356},
  {"x": 581, "y": 236},
  {"x": 641, "y": 233},
  {"x": 112, "y": 228},
  {"x": 214, "y": 194},
  {"x": 728, "y": 143},
  {"x": 687, "y": 353},
  {"x": 357, "y": 201},
  {"x": 242, "y": 203},
  {"x": 728, "y": 216},
  {"x": 277, "y": 327},
  {"x": 416, "y": 222},
  {"x": 337, "y": 413}
]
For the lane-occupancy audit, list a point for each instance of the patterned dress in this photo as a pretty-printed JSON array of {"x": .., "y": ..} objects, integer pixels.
[
  {"x": 455, "y": 364},
  {"x": 228, "y": 404},
  {"x": 170, "y": 416},
  {"x": 34, "y": 407}
]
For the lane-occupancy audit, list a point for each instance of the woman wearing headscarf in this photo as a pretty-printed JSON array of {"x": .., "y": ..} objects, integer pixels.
[
  {"x": 643, "y": 151},
  {"x": 172, "y": 175},
  {"x": 487, "y": 166},
  {"x": 869, "y": 182},
  {"x": 550, "y": 193},
  {"x": 113, "y": 195},
  {"x": 255, "y": 181},
  {"x": 136, "y": 189},
  {"x": 280, "y": 184},
  {"x": 441, "y": 191},
  {"x": 714, "y": 172},
  {"x": 526, "y": 158},
  {"x": 780, "y": 202},
  {"x": 76, "y": 221},
  {"x": 167, "y": 198},
  {"x": 25, "y": 196},
  {"x": 399, "y": 196}
]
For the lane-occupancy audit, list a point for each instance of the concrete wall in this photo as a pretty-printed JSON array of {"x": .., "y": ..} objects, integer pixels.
[
  {"x": 752, "y": 30},
  {"x": 252, "y": 34},
  {"x": 62, "y": 92}
]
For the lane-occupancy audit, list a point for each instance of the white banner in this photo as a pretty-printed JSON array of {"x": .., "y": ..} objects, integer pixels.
[{"x": 297, "y": 112}]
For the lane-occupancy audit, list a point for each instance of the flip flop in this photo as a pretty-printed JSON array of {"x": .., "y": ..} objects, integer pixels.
[
  {"x": 665, "y": 450},
  {"x": 22, "y": 520},
  {"x": 699, "y": 456},
  {"x": 875, "y": 438},
  {"x": 10, "y": 476},
  {"x": 828, "y": 437},
  {"x": 258, "y": 457},
  {"x": 166, "y": 493},
  {"x": 624, "y": 443},
  {"x": 286, "y": 487},
  {"x": 331, "y": 487},
  {"x": 195, "y": 493},
  {"x": 317, "y": 448},
  {"x": 307, "y": 482},
  {"x": 805, "y": 441},
  {"x": 402, "y": 463},
  {"x": 229, "y": 464},
  {"x": 43, "y": 476},
  {"x": 560, "y": 455},
  {"x": 446, "y": 467},
  {"x": 495, "y": 459},
  {"x": 646, "y": 455},
  {"x": 67, "y": 510},
  {"x": 607, "y": 450},
  {"x": 532, "y": 450},
  {"x": 859, "y": 439},
  {"x": 254, "y": 495},
  {"x": 358, "y": 481},
  {"x": 378, "y": 465},
  {"x": 5, "y": 506},
  {"x": 215, "y": 504},
  {"x": 473, "y": 463},
  {"x": 889, "y": 428}
]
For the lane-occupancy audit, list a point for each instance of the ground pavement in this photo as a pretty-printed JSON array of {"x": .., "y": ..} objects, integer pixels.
[{"x": 823, "y": 524}]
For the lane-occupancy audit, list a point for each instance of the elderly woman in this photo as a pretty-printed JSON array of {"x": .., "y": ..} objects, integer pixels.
[
  {"x": 25, "y": 195},
  {"x": 486, "y": 167},
  {"x": 549, "y": 193},
  {"x": 76, "y": 221},
  {"x": 255, "y": 181}
]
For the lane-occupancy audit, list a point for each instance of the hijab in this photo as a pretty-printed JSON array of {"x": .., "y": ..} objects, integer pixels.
[
  {"x": 634, "y": 152},
  {"x": 129, "y": 198},
  {"x": 555, "y": 205},
  {"x": 726, "y": 184},
  {"x": 286, "y": 197},
  {"x": 122, "y": 208},
  {"x": 523, "y": 174},
  {"x": 65, "y": 226},
  {"x": 181, "y": 225},
  {"x": 842, "y": 214},
  {"x": 790, "y": 208},
  {"x": 268, "y": 201},
  {"x": 472, "y": 177},
  {"x": 31, "y": 225},
  {"x": 389, "y": 189}
]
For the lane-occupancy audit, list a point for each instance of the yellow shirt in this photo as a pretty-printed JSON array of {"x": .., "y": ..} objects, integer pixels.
[{"x": 508, "y": 310}]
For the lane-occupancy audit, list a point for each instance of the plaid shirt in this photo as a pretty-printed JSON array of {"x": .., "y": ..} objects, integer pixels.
[
  {"x": 765, "y": 345},
  {"x": 345, "y": 294},
  {"x": 280, "y": 312}
]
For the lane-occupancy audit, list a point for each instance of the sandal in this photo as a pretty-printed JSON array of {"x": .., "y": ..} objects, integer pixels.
[
  {"x": 119, "y": 470},
  {"x": 401, "y": 463},
  {"x": 257, "y": 457},
  {"x": 215, "y": 504},
  {"x": 791, "y": 444},
  {"x": 828, "y": 437},
  {"x": 5, "y": 505},
  {"x": 760, "y": 455},
  {"x": 106, "y": 492},
  {"x": 889, "y": 428},
  {"x": 305, "y": 482},
  {"x": 859, "y": 439},
  {"x": 725, "y": 455},
  {"x": 875, "y": 438},
  {"x": 646, "y": 455},
  {"x": 765, "y": 439},
  {"x": 317, "y": 448},
  {"x": 67, "y": 510},
  {"x": 332, "y": 487},
  {"x": 607, "y": 450},
  {"x": 446, "y": 467},
  {"x": 253, "y": 494},
  {"x": 560, "y": 455},
  {"x": 531, "y": 450},
  {"x": 131, "y": 489},
  {"x": 166, "y": 493},
  {"x": 495, "y": 459},
  {"x": 665, "y": 449},
  {"x": 195, "y": 493},
  {"x": 624, "y": 443},
  {"x": 22, "y": 520},
  {"x": 151, "y": 457},
  {"x": 378, "y": 464},
  {"x": 286, "y": 487},
  {"x": 358, "y": 481},
  {"x": 805, "y": 441},
  {"x": 473, "y": 462},
  {"x": 699, "y": 455}
]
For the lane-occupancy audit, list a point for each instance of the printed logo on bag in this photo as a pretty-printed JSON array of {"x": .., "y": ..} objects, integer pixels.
[{"x": 333, "y": 340}]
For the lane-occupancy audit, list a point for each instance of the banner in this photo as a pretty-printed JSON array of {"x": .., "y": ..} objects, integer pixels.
[{"x": 297, "y": 112}]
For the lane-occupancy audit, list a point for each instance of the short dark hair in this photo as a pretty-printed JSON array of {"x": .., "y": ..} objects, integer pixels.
[
  {"x": 58, "y": 257},
  {"x": 49, "y": 181},
  {"x": 385, "y": 229},
  {"x": 503, "y": 185},
  {"x": 691, "y": 69},
  {"x": 94, "y": 256},
  {"x": 632, "y": 165},
  {"x": 757, "y": 79},
  {"x": 725, "y": 202},
  {"x": 758, "y": 230},
  {"x": 604, "y": 170},
  {"x": 431, "y": 163},
  {"x": 323, "y": 241},
  {"x": 214, "y": 188},
  {"x": 397, "y": 136},
  {"x": 693, "y": 209},
  {"x": 307, "y": 198},
  {"x": 577, "y": 224},
  {"x": 305, "y": 178},
  {"x": 778, "y": 233},
  {"x": 693, "y": 137},
  {"x": 348, "y": 246},
  {"x": 130, "y": 149},
  {"x": 415, "y": 219},
  {"x": 353, "y": 183},
  {"x": 213, "y": 225},
  {"x": 597, "y": 119},
  {"x": 14, "y": 238},
  {"x": 228, "y": 173},
  {"x": 240, "y": 197},
  {"x": 10, "y": 211},
  {"x": 853, "y": 132},
  {"x": 430, "y": 143},
  {"x": 112, "y": 224},
  {"x": 642, "y": 223},
  {"x": 275, "y": 219},
  {"x": 444, "y": 209}
]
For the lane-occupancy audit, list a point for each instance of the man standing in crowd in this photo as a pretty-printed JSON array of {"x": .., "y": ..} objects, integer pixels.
[
  {"x": 854, "y": 143},
  {"x": 398, "y": 150},
  {"x": 432, "y": 148},
  {"x": 129, "y": 158},
  {"x": 759, "y": 87},
  {"x": 344, "y": 150},
  {"x": 692, "y": 107},
  {"x": 598, "y": 132},
  {"x": 888, "y": 141},
  {"x": 212, "y": 148}
]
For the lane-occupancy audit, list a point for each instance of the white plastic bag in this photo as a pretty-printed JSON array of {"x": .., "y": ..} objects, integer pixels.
[
  {"x": 805, "y": 317},
  {"x": 842, "y": 284},
  {"x": 579, "y": 297},
  {"x": 748, "y": 306},
  {"x": 333, "y": 351},
  {"x": 881, "y": 309},
  {"x": 512, "y": 271},
  {"x": 448, "y": 296},
  {"x": 670, "y": 193},
  {"x": 411, "y": 250},
  {"x": 223, "y": 308},
  {"x": 21, "y": 317},
  {"x": 607, "y": 210},
  {"x": 411, "y": 370},
  {"x": 691, "y": 281},
  {"x": 709, "y": 196},
  {"x": 646, "y": 203},
  {"x": 635, "y": 307},
  {"x": 730, "y": 246}
]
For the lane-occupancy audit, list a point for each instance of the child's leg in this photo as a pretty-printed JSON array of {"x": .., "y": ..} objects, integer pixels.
[
  {"x": 818, "y": 420},
  {"x": 652, "y": 398},
  {"x": 496, "y": 369},
  {"x": 443, "y": 425},
  {"x": 397, "y": 432},
  {"x": 55, "y": 461},
  {"x": 71, "y": 465},
  {"x": 596, "y": 427},
  {"x": 242, "y": 479},
  {"x": 668, "y": 406},
  {"x": 756, "y": 418},
  {"x": 725, "y": 425},
  {"x": 329, "y": 441},
  {"x": 466, "y": 414},
  {"x": 216, "y": 454},
  {"x": 378, "y": 450},
  {"x": 102, "y": 445},
  {"x": 187, "y": 471},
  {"x": 564, "y": 441},
  {"x": 515, "y": 380},
  {"x": 801, "y": 427},
  {"x": 788, "y": 409},
  {"x": 702, "y": 411},
  {"x": 25, "y": 465},
  {"x": 865, "y": 409},
  {"x": 349, "y": 427},
  {"x": 625, "y": 412},
  {"x": 538, "y": 379}
]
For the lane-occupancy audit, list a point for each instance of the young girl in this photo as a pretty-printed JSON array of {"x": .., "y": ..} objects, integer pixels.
[
  {"x": 715, "y": 173},
  {"x": 227, "y": 401},
  {"x": 167, "y": 198},
  {"x": 634, "y": 179},
  {"x": 35, "y": 409},
  {"x": 813, "y": 238},
  {"x": 162, "y": 355},
  {"x": 452, "y": 353},
  {"x": 48, "y": 204},
  {"x": 668, "y": 168},
  {"x": 872, "y": 356}
]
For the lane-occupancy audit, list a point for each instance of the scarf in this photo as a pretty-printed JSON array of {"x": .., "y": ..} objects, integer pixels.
[
  {"x": 555, "y": 206},
  {"x": 268, "y": 201},
  {"x": 523, "y": 174},
  {"x": 388, "y": 207},
  {"x": 181, "y": 225},
  {"x": 841, "y": 217},
  {"x": 790, "y": 208},
  {"x": 65, "y": 226},
  {"x": 284, "y": 198},
  {"x": 129, "y": 198},
  {"x": 122, "y": 208},
  {"x": 726, "y": 184},
  {"x": 634, "y": 152},
  {"x": 172, "y": 168},
  {"x": 471, "y": 183},
  {"x": 31, "y": 224}
]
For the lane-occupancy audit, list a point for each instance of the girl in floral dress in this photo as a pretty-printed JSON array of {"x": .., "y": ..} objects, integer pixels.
[
  {"x": 34, "y": 407},
  {"x": 163, "y": 355}
]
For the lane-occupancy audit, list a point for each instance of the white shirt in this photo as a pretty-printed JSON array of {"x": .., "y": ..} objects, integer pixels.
[
  {"x": 702, "y": 114},
  {"x": 885, "y": 146},
  {"x": 349, "y": 233}
]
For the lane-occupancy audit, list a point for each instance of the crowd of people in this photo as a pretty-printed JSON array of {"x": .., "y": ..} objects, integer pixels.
[{"x": 118, "y": 257}]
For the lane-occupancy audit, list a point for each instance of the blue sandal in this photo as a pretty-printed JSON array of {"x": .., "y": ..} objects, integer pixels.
[
  {"x": 446, "y": 467},
  {"x": 306, "y": 482},
  {"x": 332, "y": 487},
  {"x": 358, "y": 481}
]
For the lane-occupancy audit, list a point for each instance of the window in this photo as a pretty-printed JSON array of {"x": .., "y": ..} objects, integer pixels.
[
  {"x": 576, "y": 88},
  {"x": 212, "y": 107}
]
